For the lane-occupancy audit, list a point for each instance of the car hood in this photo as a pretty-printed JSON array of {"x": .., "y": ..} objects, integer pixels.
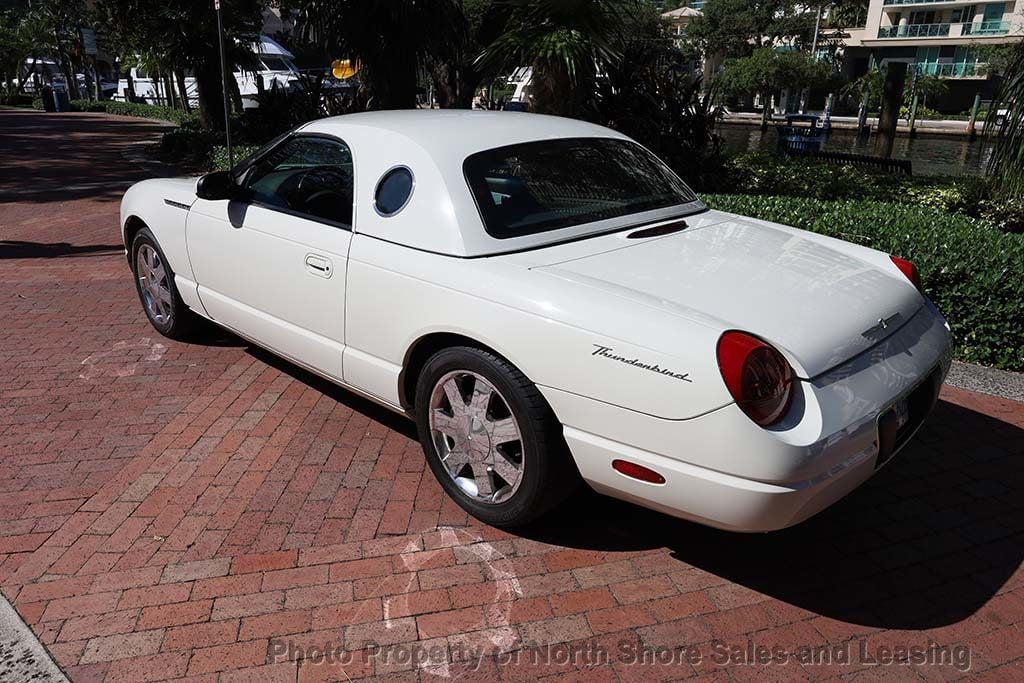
[{"x": 820, "y": 301}]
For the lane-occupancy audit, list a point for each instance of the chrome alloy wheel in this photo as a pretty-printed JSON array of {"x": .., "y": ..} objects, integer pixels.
[
  {"x": 156, "y": 292},
  {"x": 476, "y": 437}
]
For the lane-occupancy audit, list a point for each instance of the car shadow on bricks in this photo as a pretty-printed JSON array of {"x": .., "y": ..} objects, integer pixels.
[
  {"x": 925, "y": 543},
  {"x": 389, "y": 419},
  {"x": 17, "y": 249}
]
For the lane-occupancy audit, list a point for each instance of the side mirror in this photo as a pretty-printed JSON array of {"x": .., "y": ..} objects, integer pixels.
[{"x": 216, "y": 186}]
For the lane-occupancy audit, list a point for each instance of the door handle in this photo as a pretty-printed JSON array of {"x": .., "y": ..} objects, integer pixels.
[{"x": 318, "y": 265}]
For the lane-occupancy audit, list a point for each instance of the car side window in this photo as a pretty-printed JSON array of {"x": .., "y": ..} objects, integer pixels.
[{"x": 307, "y": 175}]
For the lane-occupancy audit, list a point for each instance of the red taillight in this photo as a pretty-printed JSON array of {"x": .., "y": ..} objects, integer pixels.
[
  {"x": 757, "y": 376},
  {"x": 631, "y": 469},
  {"x": 908, "y": 269}
]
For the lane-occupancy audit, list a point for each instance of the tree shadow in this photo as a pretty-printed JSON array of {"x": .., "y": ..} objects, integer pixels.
[
  {"x": 17, "y": 249},
  {"x": 51, "y": 157},
  {"x": 925, "y": 543}
]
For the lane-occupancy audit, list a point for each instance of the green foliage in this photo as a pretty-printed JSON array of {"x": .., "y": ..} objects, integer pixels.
[
  {"x": 390, "y": 39},
  {"x": 735, "y": 27},
  {"x": 1005, "y": 211},
  {"x": 761, "y": 173},
  {"x": 650, "y": 95},
  {"x": 567, "y": 43},
  {"x": 767, "y": 71},
  {"x": 969, "y": 268},
  {"x": 923, "y": 113},
  {"x": 144, "y": 111},
  {"x": 1007, "y": 163},
  {"x": 219, "y": 156},
  {"x": 171, "y": 37}
]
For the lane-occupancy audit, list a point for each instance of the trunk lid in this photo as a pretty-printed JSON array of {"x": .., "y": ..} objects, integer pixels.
[{"x": 812, "y": 297}]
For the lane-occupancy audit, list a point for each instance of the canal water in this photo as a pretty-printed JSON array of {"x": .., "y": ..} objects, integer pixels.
[{"x": 931, "y": 155}]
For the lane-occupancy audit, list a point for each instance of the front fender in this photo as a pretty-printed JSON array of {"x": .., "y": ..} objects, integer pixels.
[{"x": 162, "y": 204}]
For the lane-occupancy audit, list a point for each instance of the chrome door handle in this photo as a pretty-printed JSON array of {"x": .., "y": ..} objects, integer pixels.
[{"x": 318, "y": 265}]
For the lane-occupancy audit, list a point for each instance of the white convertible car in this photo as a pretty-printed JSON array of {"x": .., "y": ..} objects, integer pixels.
[{"x": 552, "y": 304}]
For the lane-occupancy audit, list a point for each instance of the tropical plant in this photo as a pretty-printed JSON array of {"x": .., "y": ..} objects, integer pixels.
[
  {"x": 16, "y": 44},
  {"x": 48, "y": 28},
  {"x": 175, "y": 36},
  {"x": 455, "y": 72},
  {"x": 651, "y": 94},
  {"x": 391, "y": 40},
  {"x": 767, "y": 71},
  {"x": 735, "y": 28},
  {"x": 1007, "y": 164},
  {"x": 566, "y": 42}
]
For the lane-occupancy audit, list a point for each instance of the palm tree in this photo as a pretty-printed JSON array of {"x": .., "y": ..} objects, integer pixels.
[
  {"x": 391, "y": 40},
  {"x": 567, "y": 42},
  {"x": 1007, "y": 164}
]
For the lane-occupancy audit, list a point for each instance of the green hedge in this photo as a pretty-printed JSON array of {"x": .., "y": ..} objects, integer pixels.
[
  {"x": 219, "y": 155},
  {"x": 145, "y": 111},
  {"x": 763, "y": 173},
  {"x": 969, "y": 268}
]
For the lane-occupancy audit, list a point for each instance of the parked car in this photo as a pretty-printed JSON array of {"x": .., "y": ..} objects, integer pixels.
[{"x": 552, "y": 304}]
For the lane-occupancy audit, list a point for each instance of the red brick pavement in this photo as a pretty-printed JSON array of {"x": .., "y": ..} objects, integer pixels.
[{"x": 204, "y": 510}]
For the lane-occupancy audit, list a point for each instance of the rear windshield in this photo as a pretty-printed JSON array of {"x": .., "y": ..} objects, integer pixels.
[{"x": 534, "y": 187}]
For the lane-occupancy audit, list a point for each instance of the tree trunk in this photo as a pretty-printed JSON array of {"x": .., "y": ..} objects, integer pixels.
[
  {"x": 234, "y": 93},
  {"x": 892, "y": 97},
  {"x": 552, "y": 90},
  {"x": 392, "y": 81},
  {"x": 179, "y": 76},
  {"x": 211, "y": 102},
  {"x": 764, "y": 110},
  {"x": 132, "y": 97},
  {"x": 169, "y": 87}
]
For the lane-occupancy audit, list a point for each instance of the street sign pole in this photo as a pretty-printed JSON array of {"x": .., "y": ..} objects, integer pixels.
[{"x": 224, "y": 82}]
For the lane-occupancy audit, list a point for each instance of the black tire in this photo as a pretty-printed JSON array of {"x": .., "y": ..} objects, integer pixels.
[
  {"x": 181, "y": 321},
  {"x": 548, "y": 473}
]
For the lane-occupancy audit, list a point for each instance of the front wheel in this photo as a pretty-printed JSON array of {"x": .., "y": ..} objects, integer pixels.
[
  {"x": 490, "y": 438},
  {"x": 154, "y": 281}
]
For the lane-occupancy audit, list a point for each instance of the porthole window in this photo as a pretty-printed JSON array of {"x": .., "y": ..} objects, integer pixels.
[{"x": 393, "y": 191}]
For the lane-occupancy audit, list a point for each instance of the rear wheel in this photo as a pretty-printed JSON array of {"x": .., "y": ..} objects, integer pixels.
[
  {"x": 154, "y": 281},
  {"x": 490, "y": 438}
]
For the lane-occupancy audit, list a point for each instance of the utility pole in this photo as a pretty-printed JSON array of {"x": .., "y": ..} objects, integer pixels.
[{"x": 224, "y": 82}]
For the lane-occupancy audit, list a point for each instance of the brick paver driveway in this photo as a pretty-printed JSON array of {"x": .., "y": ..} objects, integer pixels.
[{"x": 204, "y": 510}]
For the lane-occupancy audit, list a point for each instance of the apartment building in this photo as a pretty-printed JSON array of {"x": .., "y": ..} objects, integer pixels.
[{"x": 940, "y": 38}]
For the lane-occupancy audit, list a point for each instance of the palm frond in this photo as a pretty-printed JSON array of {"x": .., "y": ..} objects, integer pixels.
[{"x": 1007, "y": 164}]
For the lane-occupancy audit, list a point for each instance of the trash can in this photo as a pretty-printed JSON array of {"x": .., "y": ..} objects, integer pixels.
[
  {"x": 46, "y": 95},
  {"x": 61, "y": 101}
]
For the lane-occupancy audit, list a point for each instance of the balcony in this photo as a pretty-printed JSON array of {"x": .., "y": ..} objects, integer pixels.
[
  {"x": 962, "y": 70},
  {"x": 927, "y": 2},
  {"x": 986, "y": 28},
  {"x": 978, "y": 29},
  {"x": 914, "y": 31}
]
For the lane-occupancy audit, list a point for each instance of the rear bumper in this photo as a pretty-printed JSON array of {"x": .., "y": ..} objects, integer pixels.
[{"x": 831, "y": 446}]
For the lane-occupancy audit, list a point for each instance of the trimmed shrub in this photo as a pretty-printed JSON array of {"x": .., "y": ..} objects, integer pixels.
[
  {"x": 769, "y": 174},
  {"x": 145, "y": 111},
  {"x": 969, "y": 268}
]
